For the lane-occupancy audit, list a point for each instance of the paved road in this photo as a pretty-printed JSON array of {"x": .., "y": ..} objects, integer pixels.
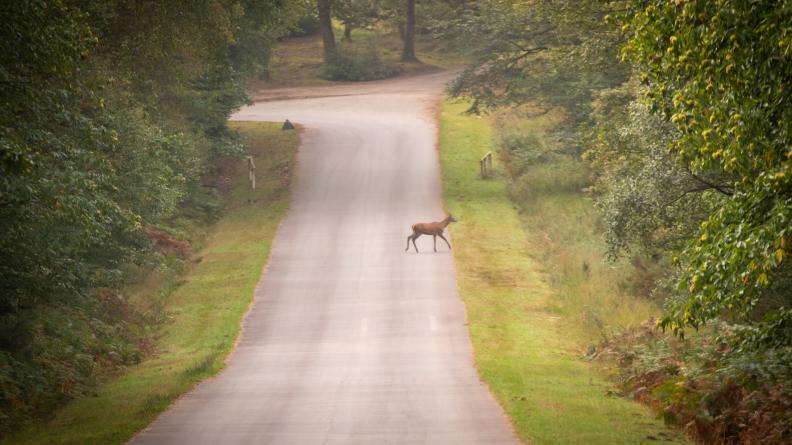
[{"x": 350, "y": 339}]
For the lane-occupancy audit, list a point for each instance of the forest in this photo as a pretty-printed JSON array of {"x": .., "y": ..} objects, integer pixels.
[{"x": 673, "y": 117}]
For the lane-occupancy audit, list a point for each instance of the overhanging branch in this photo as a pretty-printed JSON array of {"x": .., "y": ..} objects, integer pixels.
[{"x": 724, "y": 189}]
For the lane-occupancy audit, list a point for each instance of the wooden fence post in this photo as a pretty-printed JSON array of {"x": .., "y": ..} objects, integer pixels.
[
  {"x": 485, "y": 165},
  {"x": 251, "y": 172}
]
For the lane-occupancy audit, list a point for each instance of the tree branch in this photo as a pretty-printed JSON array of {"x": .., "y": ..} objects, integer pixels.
[
  {"x": 720, "y": 188},
  {"x": 685, "y": 193}
]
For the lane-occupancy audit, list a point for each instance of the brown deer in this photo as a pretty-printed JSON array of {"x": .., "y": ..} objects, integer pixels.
[{"x": 433, "y": 228}]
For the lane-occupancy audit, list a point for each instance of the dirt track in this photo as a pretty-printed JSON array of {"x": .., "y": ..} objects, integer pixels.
[{"x": 350, "y": 339}]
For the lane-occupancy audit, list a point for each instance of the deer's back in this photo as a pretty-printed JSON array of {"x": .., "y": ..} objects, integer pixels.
[{"x": 428, "y": 228}]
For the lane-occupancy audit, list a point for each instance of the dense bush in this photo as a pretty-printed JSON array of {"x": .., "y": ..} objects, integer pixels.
[{"x": 353, "y": 64}]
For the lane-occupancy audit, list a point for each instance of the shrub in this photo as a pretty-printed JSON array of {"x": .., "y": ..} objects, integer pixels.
[
  {"x": 357, "y": 65},
  {"x": 521, "y": 150},
  {"x": 538, "y": 165}
]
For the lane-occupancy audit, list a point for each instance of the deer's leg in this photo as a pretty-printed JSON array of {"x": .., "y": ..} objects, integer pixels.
[
  {"x": 415, "y": 237},
  {"x": 408, "y": 243},
  {"x": 444, "y": 239},
  {"x": 434, "y": 238}
]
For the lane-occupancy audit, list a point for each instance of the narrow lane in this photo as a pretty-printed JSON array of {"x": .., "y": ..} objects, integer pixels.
[{"x": 350, "y": 339}]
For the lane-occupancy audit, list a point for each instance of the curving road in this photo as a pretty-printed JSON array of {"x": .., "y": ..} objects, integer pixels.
[{"x": 350, "y": 340}]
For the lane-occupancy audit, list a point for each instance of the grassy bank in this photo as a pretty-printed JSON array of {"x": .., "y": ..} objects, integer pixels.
[
  {"x": 526, "y": 309},
  {"x": 204, "y": 310}
]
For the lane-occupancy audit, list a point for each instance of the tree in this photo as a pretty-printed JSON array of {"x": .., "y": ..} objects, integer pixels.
[
  {"x": 408, "y": 51},
  {"x": 326, "y": 25},
  {"x": 719, "y": 71},
  {"x": 550, "y": 53},
  {"x": 650, "y": 203},
  {"x": 355, "y": 14}
]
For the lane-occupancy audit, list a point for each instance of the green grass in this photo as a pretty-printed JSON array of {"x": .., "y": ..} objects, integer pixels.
[
  {"x": 298, "y": 61},
  {"x": 528, "y": 300},
  {"x": 204, "y": 311}
]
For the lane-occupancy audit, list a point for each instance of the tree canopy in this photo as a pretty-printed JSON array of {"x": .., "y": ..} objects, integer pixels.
[{"x": 720, "y": 72}]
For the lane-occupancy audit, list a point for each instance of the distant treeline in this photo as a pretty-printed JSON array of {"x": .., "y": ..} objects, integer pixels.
[{"x": 112, "y": 112}]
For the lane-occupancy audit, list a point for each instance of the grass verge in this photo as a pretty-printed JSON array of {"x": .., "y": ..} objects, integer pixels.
[
  {"x": 524, "y": 314},
  {"x": 204, "y": 311}
]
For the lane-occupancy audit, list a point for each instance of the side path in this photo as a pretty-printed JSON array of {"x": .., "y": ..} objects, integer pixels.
[{"x": 350, "y": 340}]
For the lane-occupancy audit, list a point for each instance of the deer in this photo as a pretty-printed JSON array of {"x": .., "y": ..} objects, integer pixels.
[{"x": 433, "y": 228}]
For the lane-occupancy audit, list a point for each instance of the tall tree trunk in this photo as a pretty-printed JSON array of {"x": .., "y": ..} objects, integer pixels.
[
  {"x": 347, "y": 32},
  {"x": 408, "y": 54},
  {"x": 325, "y": 23}
]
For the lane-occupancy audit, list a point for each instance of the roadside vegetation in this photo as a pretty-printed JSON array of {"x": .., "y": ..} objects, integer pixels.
[
  {"x": 202, "y": 307},
  {"x": 668, "y": 135},
  {"x": 112, "y": 139},
  {"x": 537, "y": 289}
]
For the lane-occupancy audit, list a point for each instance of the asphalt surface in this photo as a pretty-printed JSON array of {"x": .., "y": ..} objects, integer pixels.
[{"x": 350, "y": 340}]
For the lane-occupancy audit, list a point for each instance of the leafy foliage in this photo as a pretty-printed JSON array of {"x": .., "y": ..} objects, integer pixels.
[
  {"x": 355, "y": 14},
  {"x": 112, "y": 113},
  {"x": 651, "y": 203},
  {"x": 717, "y": 70},
  {"x": 551, "y": 53}
]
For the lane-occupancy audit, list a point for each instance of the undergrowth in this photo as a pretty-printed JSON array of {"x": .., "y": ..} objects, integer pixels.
[
  {"x": 718, "y": 395},
  {"x": 357, "y": 64}
]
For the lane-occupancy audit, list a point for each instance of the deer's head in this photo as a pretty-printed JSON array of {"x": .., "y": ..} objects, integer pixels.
[{"x": 451, "y": 218}]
